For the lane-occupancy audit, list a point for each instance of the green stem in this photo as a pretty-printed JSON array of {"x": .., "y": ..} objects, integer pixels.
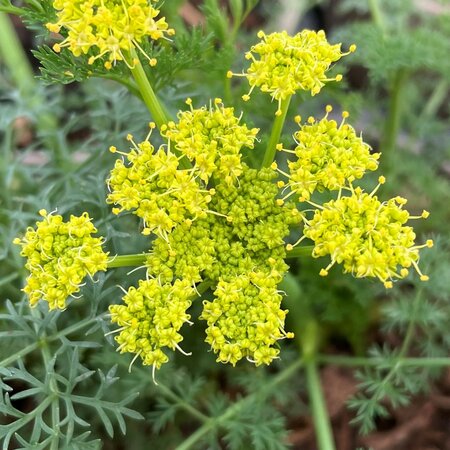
[
  {"x": 393, "y": 119},
  {"x": 183, "y": 404},
  {"x": 46, "y": 357},
  {"x": 409, "y": 335},
  {"x": 376, "y": 14},
  {"x": 31, "y": 347},
  {"x": 321, "y": 419},
  {"x": 309, "y": 341},
  {"x": 10, "y": 9},
  {"x": 15, "y": 59},
  {"x": 148, "y": 95},
  {"x": 351, "y": 361},
  {"x": 192, "y": 440},
  {"x": 124, "y": 81},
  {"x": 275, "y": 134},
  {"x": 135, "y": 260},
  {"x": 296, "y": 252},
  {"x": 21, "y": 72},
  {"x": 436, "y": 98}
]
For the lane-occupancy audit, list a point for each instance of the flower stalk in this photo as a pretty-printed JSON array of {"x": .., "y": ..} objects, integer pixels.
[
  {"x": 134, "y": 260},
  {"x": 148, "y": 94},
  {"x": 275, "y": 134}
]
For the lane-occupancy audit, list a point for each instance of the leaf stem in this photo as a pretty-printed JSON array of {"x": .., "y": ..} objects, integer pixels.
[
  {"x": 46, "y": 357},
  {"x": 436, "y": 98},
  {"x": 31, "y": 347},
  {"x": 393, "y": 120},
  {"x": 148, "y": 95},
  {"x": 192, "y": 440},
  {"x": 11, "y": 9},
  {"x": 275, "y": 134}
]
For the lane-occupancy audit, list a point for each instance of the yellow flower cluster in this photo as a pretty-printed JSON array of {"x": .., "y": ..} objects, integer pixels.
[
  {"x": 150, "y": 319},
  {"x": 59, "y": 256},
  {"x": 245, "y": 319},
  {"x": 285, "y": 64},
  {"x": 244, "y": 231},
  {"x": 241, "y": 240},
  {"x": 150, "y": 183},
  {"x": 188, "y": 251},
  {"x": 212, "y": 138},
  {"x": 107, "y": 27},
  {"x": 368, "y": 237},
  {"x": 328, "y": 156}
]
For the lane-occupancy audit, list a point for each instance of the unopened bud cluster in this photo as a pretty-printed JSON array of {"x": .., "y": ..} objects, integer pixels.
[
  {"x": 281, "y": 64},
  {"x": 328, "y": 155},
  {"x": 151, "y": 317},
  {"x": 59, "y": 256},
  {"x": 368, "y": 237},
  {"x": 212, "y": 138}
]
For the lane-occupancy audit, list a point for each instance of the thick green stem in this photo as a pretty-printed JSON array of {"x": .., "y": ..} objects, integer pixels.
[
  {"x": 275, "y": 134},
  {"x": 393, "y": 119},
  {"x": 127, "y": 260},
  {"x": 351, "y": 361},
  {"x": 148, "y": 95},
  {"x": 296, "y": 252},
  {"x": 321, "y": 419},
  {"x": 14, "y": 58},
  {"x": 309, "y": 342}
]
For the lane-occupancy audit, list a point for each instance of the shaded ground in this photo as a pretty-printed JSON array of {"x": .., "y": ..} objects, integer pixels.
[{"x": 423, "y": 425}]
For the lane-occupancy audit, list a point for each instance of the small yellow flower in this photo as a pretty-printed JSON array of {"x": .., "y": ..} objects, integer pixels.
[
  {"x": 213, "y": 139},
  {"x": 150, "y": 319},
  {"x": 329, "y": 155},
  {"x": 107, "y": 28},
  {"x": 245, "y": 320},
  {"x": 282, "y": 64},
  {"x": 59, "y": 256},
  {"x": 365, "y": 235},
  {"x": 150, "y": 184}
]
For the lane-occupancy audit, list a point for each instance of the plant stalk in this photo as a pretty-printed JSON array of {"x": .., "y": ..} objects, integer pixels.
[
  {"x": 53, "y": 385},
  {"x": 376, "y": 14},
  {"x": 135, "y": 260},
  {"x": 297, "y": 252},
  {"x": 351, "y": 361},
  {"x": 192, "y": 440},
  {"x": 275, "y": 134},
  {"x": 321, "y": 418},
  {"x": 31, "y": 347},
  {"x": 309, "y": 342},
  {"x": 393, "y": 120},
  {"x": 148, "y": 95}
]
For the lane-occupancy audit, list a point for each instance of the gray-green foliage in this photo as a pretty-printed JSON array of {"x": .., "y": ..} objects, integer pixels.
[{"x": 423, "y": 321}]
